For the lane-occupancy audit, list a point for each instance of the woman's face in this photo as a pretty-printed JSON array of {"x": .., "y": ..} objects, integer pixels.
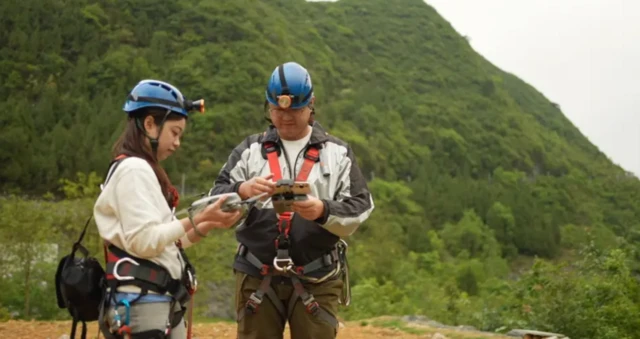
[
  {"x": 169, "y": 140},
  {"x": 292, "y": 124}
]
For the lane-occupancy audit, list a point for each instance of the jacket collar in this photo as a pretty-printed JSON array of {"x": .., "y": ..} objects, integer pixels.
[{"x": 318, "y": 134}]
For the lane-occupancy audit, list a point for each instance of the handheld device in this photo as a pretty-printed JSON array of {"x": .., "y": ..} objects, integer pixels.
[
  {"x": 288, "y": 191},
  {"x": 232, "y": 203}
]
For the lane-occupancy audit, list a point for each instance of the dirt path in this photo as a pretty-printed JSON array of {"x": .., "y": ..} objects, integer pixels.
[{"x": 352, "y": 330}]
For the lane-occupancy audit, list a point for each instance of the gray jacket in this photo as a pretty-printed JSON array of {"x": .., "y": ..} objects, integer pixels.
[{"x": 336, "y": 180}]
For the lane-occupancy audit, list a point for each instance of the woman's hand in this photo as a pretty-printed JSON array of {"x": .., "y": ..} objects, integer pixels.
[{"x": 213, "y": 217}]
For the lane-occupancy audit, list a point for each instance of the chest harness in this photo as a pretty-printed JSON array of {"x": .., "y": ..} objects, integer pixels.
[
  {"x": 282, "y": 264},
  {"x": 123, "y": 269}
]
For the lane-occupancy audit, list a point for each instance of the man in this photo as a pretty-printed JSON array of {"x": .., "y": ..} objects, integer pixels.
[{"x": 288, "y": 264}]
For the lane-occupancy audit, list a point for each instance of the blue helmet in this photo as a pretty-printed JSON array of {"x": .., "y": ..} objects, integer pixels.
[
  {"x": 289, "y": 86},
  {"x": 155, "y": 93}
]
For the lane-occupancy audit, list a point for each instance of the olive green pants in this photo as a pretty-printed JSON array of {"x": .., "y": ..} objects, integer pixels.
[{"x": 267, "y": 323}]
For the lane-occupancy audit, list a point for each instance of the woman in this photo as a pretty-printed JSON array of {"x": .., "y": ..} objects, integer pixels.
[{"x": 149, "y": 279}]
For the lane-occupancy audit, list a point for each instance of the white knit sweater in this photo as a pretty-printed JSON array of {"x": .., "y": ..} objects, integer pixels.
[{"x": 132, "y": 214}]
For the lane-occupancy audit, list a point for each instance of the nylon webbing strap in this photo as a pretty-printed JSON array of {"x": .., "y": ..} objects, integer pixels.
[
  {"x": 311, "y": 156},
  {"x": 148, "y": 274},
  {"x": 256, "y": 299},
  {"x": 321, "y": 262},
  {"x": 274, "y": 164},
  {"x": 310, "y": 304}
]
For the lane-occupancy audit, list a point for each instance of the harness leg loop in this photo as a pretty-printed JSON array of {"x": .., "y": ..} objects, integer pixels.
[
  {"x": 255, "y": 300},
  {"x": 310, "y": 303}
]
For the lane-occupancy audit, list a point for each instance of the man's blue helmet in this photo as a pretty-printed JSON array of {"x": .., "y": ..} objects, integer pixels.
[
  {"x": 290, "y": 86},
  {"x": 155, "y": 93}
]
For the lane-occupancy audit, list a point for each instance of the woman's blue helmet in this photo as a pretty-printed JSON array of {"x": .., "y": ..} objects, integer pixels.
[
  {"x": 290, "y": 86},
  {"x": 155, "y": 93}
]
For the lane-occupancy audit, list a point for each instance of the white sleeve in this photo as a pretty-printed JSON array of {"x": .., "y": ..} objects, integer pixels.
[{"x": 145, "y": 235}]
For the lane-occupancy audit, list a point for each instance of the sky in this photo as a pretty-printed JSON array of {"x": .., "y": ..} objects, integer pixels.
[{"x": 582, "y": 54}]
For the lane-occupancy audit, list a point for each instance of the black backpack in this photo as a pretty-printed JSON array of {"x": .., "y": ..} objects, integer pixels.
[{"x": 80, "y": 284}]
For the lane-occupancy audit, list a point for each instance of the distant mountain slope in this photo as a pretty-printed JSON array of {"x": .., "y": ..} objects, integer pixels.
[{"x": 413, "y": 98}]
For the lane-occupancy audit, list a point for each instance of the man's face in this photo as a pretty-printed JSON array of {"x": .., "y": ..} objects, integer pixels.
[{"x": 292, "y": 124}]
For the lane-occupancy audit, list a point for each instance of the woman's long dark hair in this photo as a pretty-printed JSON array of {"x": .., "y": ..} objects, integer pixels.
[{"x": 132, "y": 142}]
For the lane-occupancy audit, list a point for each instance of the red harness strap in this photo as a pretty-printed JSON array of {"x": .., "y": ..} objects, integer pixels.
[{"x": 311, "y": 156}]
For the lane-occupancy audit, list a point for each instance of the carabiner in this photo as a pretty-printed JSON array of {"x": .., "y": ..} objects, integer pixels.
[
  {"x": 193, "y": 282},
  {"x": 127, "y": 308},
  {"x": 115, "y": 268},
  {"x": 285, "y": 268}
]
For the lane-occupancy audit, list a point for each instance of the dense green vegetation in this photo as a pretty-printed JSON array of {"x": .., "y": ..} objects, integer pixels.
[{"x": 473, "y": 171}]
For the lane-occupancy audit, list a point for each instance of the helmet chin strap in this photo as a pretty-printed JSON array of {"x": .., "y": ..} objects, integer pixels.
[{"x": 154, "y": 141}]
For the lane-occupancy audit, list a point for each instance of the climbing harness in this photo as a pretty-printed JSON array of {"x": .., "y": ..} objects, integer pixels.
[
  {"x": 123, "y": 269},
  {"x": 282, "y": 264}
]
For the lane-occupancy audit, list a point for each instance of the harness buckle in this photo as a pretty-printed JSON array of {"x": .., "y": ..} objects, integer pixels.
[
  {"x": 313, "y": 157},
  {"x": 115, "y": 268},
  {"x": 253, "y": 303},
  {"x": 270, "y": 148},
  {"x": 311, "y": 305},
  {"x": 285, "y": 268}
]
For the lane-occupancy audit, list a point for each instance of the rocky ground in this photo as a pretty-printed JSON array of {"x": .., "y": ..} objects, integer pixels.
[{"x": 385, "y": 327}]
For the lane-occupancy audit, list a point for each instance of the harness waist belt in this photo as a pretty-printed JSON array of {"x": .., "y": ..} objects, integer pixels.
[
  {"x": 323, "y": 261},
  {"x": 124, "y": 269}
]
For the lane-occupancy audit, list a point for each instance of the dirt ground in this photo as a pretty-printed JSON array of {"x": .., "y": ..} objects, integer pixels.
[{"x": 356, "y": 330}]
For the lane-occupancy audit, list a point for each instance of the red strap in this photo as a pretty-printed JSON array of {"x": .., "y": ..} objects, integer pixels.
[
  {"x": 175, "y": 196},
  {"x": 274, "y": 164},
  {"x": 190, "y": 319},
  {"x": 311, "y": 156},
  {"x": 124, "y": 329},
  {"x": 110, "y": 258}
]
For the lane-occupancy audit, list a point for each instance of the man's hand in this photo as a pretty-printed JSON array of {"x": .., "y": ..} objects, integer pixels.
[
  {"x": 310, "y": 209},
  {"x": 256, "y": 186}
]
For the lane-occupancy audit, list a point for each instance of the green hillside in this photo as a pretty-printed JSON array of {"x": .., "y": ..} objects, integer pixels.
[{"x": 474, "y": 172}]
